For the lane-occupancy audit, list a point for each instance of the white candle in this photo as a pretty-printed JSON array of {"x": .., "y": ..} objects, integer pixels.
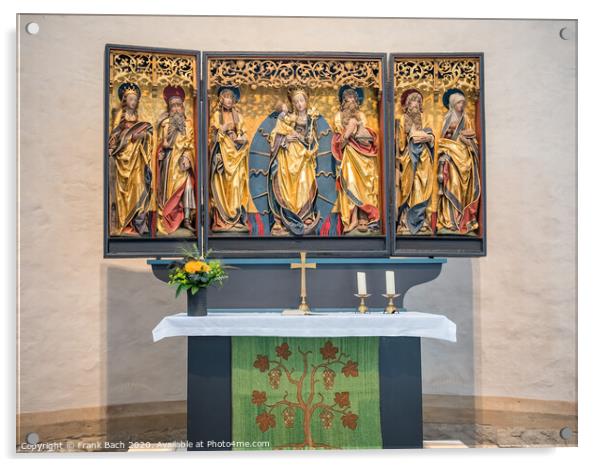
[
  {"x": 390, "y": 283},
  {"x": 361, "y": 283}
]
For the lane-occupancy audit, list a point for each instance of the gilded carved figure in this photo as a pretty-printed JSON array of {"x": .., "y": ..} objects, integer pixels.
[
  {"x": 176, "y": 154},
  {"x": 355, "y": 146},
  {"x": 292, "y": 173},
  {"x": 130, "y": 147},
  {"x": 458, "y": 169},
  {"x": 229, "y": 165},
  {"x": 414, "y": 167}
]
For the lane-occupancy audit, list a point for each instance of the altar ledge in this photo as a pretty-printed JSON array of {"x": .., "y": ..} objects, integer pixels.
[{"x": 339, "y": 324}]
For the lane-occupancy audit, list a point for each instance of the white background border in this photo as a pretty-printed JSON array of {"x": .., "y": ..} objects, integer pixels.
[{"x": 590, "y": 171}]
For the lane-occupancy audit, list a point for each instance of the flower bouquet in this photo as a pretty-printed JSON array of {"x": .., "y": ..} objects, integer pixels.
[{"x": 193, "y": 274}]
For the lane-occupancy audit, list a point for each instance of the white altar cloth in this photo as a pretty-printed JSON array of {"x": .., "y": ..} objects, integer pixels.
[{"x": 338, "y": 324}]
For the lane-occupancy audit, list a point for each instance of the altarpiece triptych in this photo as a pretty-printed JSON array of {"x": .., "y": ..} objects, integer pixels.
[{"x": 254, "y": 154}]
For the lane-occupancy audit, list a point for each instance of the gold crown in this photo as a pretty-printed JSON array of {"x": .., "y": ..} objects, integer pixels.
[
  {"x": 294, "y": 91},
  {"x": 128, "y": 88},
  {"x": 129, "y": 91}
]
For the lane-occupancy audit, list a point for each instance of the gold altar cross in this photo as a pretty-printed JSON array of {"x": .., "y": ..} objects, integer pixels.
[{"x": 303, "y": 265}]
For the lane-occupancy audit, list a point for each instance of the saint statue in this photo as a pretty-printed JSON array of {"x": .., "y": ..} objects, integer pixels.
[
  {"x": 229, "y": 165},
  {"x": 355, "y": 146},
  {"x": 414, "y": 168},
  {"x": 176, "y": 154},
  {"x": 130, "y": 147},
  {"x": 292, "y": 184},
  {"x": 458, "y": 169}
]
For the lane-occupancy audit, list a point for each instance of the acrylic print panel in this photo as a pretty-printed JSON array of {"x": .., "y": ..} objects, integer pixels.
[
  {"x": 438, "y": 146},
  {"x": 295, "y": 146},
  {"x": 152, "y": 144}
]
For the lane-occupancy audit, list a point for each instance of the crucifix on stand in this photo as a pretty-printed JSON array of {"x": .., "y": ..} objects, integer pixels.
[{"x": 303, "y": 306}]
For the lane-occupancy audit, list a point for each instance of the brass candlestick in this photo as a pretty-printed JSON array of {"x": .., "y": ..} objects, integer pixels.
[
  {"x": 391, "y": 308},
  {"x": 362, "y": 307}
]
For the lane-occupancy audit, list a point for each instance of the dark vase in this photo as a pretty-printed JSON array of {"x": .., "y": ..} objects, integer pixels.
[{"x": 197, "y": 303}]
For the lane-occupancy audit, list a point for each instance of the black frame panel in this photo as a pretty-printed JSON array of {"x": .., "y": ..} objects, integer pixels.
[
  {"x": 443, "y": 245},
  {"x": 244, "y": 247},
  {"x": 135, "y": 247}
]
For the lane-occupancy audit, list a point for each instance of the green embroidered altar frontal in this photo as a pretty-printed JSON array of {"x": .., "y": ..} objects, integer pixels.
[{"x": 305, "y": 393}]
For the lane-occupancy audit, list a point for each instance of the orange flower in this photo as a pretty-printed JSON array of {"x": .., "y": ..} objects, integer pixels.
[{"x": 194, "y": 266}]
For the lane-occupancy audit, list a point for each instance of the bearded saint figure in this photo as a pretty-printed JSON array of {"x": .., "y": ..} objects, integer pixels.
[
  {"x": 176, "y": 154},
  {"x": 414, "y": 168},
  {"x": 355, "y": 146},
  {"x": 130, "y": 147}
]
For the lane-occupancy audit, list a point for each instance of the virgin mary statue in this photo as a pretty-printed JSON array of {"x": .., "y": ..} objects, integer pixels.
[{"x": 292, "y": 173}]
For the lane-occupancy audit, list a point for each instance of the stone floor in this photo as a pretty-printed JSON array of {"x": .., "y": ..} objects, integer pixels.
[
  {"x": 436, "y": 435},
  {"x": 495, "y": 436}
]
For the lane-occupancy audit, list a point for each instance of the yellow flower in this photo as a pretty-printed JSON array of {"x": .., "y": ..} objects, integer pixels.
[{"x": 193, "y": 266}]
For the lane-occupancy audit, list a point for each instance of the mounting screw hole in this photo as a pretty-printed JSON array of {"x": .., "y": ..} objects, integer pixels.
[
  {"x": 32, "y": 28},
  {"x": 565, "y": 34},
  {"x": 566, "y": 433},
  {"x": 32, "y": 438}
]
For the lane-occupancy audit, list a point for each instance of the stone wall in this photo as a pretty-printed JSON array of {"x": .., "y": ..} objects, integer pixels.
[{"x": 85, "y": 322}]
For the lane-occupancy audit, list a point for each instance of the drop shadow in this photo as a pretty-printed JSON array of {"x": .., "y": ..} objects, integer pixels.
[
  {"x": 140, "y": 373},
  {"x": 145, "y": 382},
  {"x": 448, "y": 369}
]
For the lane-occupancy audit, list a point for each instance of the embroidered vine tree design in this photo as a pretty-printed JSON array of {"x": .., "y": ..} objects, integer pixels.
[{"x": 306, "y": 406}]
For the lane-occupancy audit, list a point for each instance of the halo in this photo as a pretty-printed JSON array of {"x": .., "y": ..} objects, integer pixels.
[
  {"x": 234, "y": 89},
  {"x": 447, "y": 94},
  {"x": 125, "y": 87},
  {"x": 359, "y": 92},
  {"x": 406, "y": 93}
]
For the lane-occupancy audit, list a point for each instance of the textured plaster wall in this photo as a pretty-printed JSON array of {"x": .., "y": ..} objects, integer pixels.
[{"x": 85, "y": 322}]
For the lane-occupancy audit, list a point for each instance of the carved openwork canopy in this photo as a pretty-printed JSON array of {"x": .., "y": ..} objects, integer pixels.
[
  {"x": 275, "y": 72},
  {"x": 438, "y": 74},
  {"x": 151, "y": 69}
]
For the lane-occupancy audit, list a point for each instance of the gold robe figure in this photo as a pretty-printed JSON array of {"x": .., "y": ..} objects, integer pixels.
[
  {"x": 229, "y": 165},
  {"x": 292, "y": 180},
  {"x": 355, "y": 146},
  {"x": 130, "y": 147},
  {"x": 176, "y": 154},
  {"x": 414, "y": 168},
  {"x": 458, "y": 170}
]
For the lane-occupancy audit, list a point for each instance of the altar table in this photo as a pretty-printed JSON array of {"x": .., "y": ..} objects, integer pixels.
[{"x": 216, "y": 376}]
